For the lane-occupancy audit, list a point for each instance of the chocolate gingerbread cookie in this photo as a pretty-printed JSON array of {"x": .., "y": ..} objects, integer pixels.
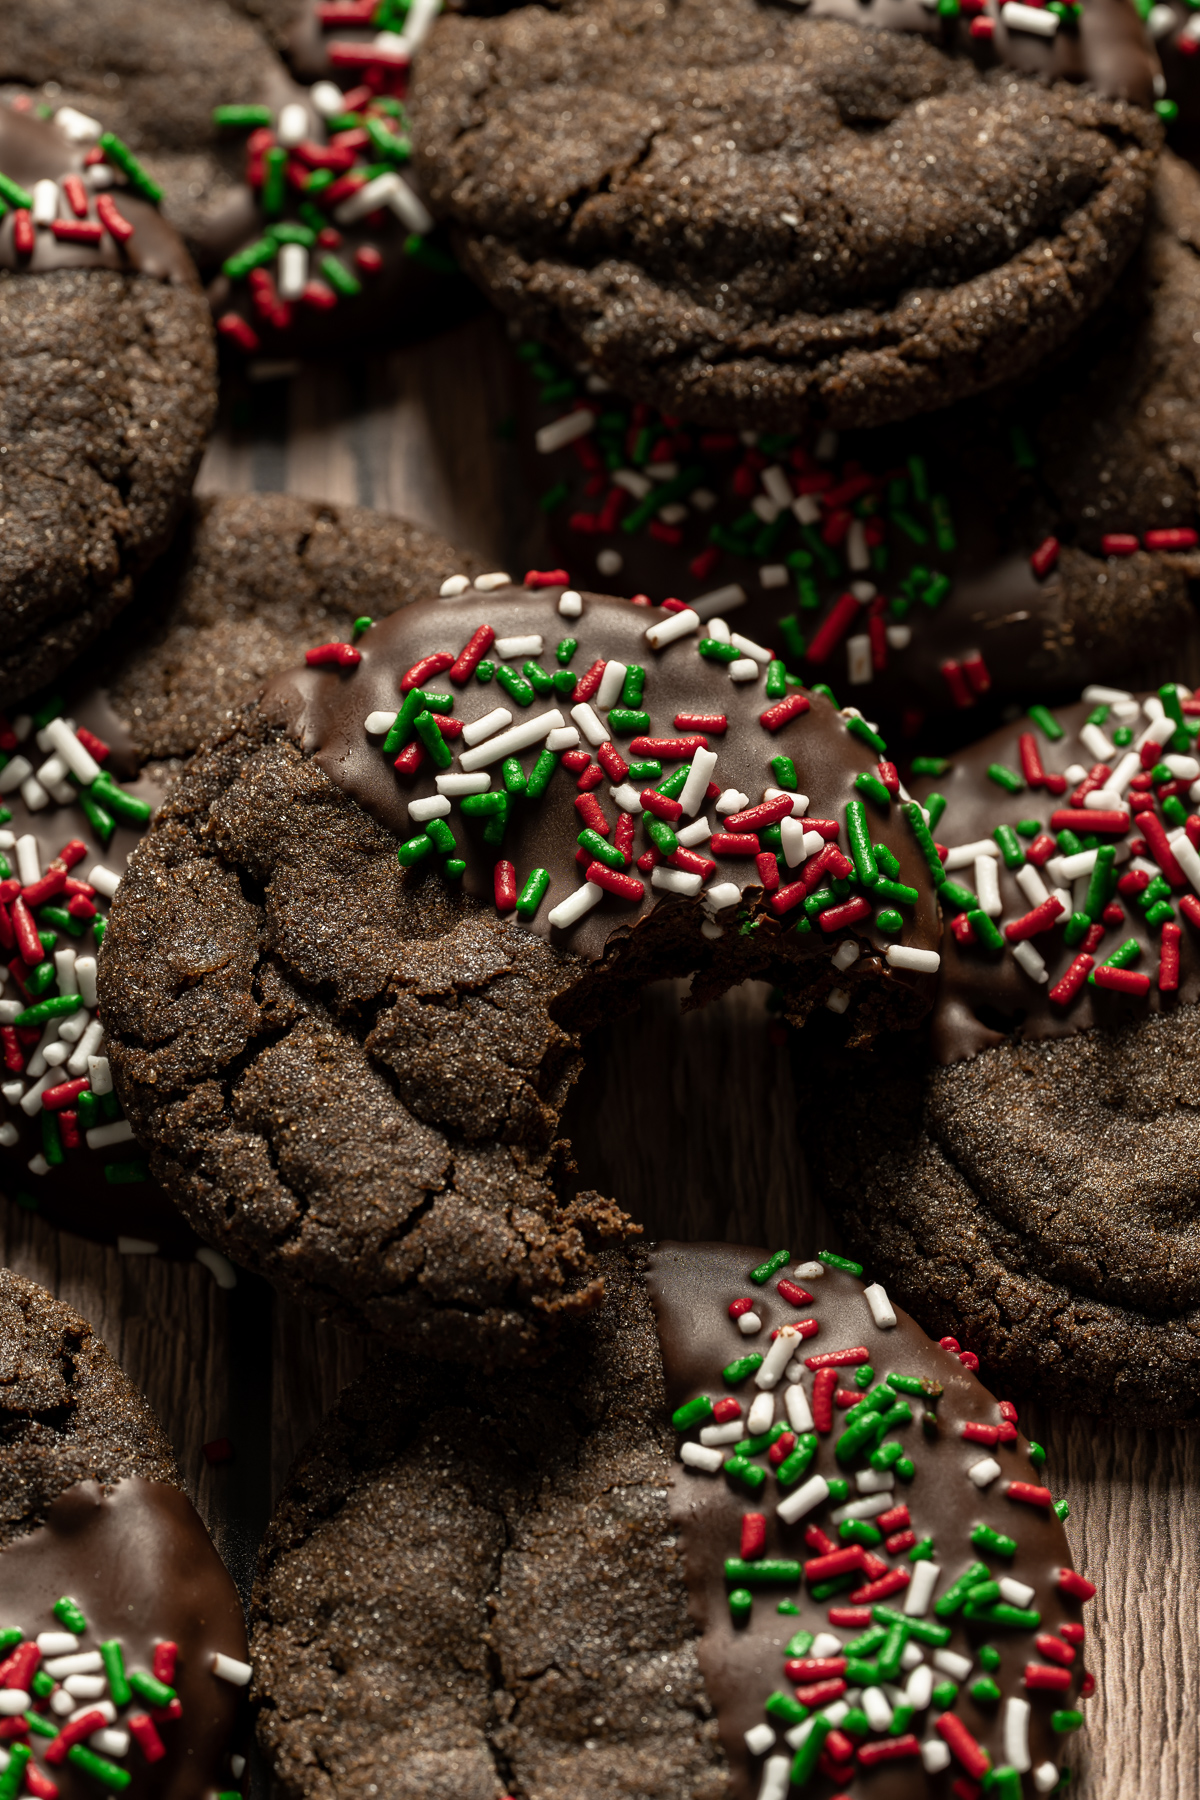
[
  {"x": 1034, "y": 1180},
  {"x": 122, "y": 1645},
  {"x": 761, "y": 220},
  {"x": 349, "y": 970},
  {"x": 750, "y": 1532},
  {"x": 107, "y": 391},
  {"x": 1003, "y": 552},
  {"x": 247, "y": 584}
]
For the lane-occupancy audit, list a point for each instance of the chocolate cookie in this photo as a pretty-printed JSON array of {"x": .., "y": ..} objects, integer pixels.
[
  {"x": 1037, "y": 1183},
  {"x": 118, "y": 1623},
  {"x": 247, "y": 584},
  {"x": 662, "y": 1565},
  {"x": 1003, "y": 552},
  {"x": 349, "y": 1072},
  {"x": 107, "y": 391},
  {"x": 765, "y": 220}
]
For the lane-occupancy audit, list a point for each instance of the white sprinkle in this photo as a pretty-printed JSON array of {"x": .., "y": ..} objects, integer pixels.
[
  {"x": 1104, "y": 800},
  {"x": 874, "y": 1481},
  {"x": 64, "y": 963},
  {"x": 57, "y": 1643},
  {"x": 845, "y": 954},
  {"x": 863, "y": 1509},
  {"x": 292, "y": 125},
  {"x": 509, "y": 743},
  {"x": 489, "y": 584},
  {"x": 14, "y": 773},
  {"x": 131, "y": 1246},
  {"x": 565, "y": 738},
  {"x": 453, "y": 586},
  {"x": 732, "y": 801},
  {"x": 874, "y": 1704},
  {"x": 1032, "y": 885},
  {"x": 691, "y": 796},
  {"x": 701, "y": 1456},
  {"x": 1105, "y": 696},
  {"x": 899, "y": 637},
  {"x": 987, "y": 886},
  {"x": 881, "y": 1307},
  {"x": 838, "y": 1000},
  {"x": 119, "y": 1132},
  {"x": 918, "y": 1689},
  {"x": 709, "y": 929},
  {"x": 825, "y": 1644},
  {"x": 721, "y": 895},
  {"x": 1095, "y": 742},
  {"x": 56, "y": 1054},
  {"x": 1017, "y": 1593},
  {"x": 590, "y": 723},
  {"x": 378, "y": 724},
  {"x": 676, "y": 881},
  {"x": 1188, "y": 860},
  {"x": 798, "y": 1410},
  {"x": 228, "y": 1668},
  {"x": 12, "y": 1702},
  {"x": 776, "y": 1778},
  {"x": 745, "y": 669},
  {"x": 37, "y": 1165},
  {"x": 328, "y": 99},
  {"x": 8, "y": 1134},
  {"x": 1030, "y": 960},
  {"x": 218, "y": 1266},
  {"x": 759, "y": 1740},
  {"x": 761, "y": 1416},
  {"x": 858, "y": 555},
  {"x": 859, "y": 669},
  {"x": 1045, "y": 1776},
  {"x": 435, "y": 807},
  {"x": 810, "y": 1493},
  {"x": 698, "y": 832},
  {"x": 101, "y": 1082},
  {"x": 935, "y": 1755},
  {"x": 1184, "y": 768},
  {"x": 963, "y": 855},
  {"x": 748, "y": 647},
  {"x": 610, "y": 562},
  {"x": 952, "y": 1664},
  {"x": 45, "y": 202},
  {"x": 1159, "y": 731},
  {"x": 1017, "y": 17},
  {"x": 85, "y": 1687},
  {"x": 570, "y": 603},
  {"x": 793, "y": 838},
  {"x": 454, "y": 785},
  {"x": 984, "y": 1471},
  {"x": 80, "y": 1662},
  {"x": 628, "y": 798},
  {"x": 77, "y": 758},
  {"x": 719, "y": 600},
  {"x": 611, "y": 683},
  {"x": 491, "y": 722},
  {"x": 777, "y": 486},
  {"x": 632, "y": 482},
  {"x": 773, "y": 575},
  {"x": 723, "y": 1434},
  {"x": 293, "y": 271},
  {"x": 1016, "y": 1734},
  {"x": 920, "y": 1589},
  {"x": 1063, "y": 869},
  {"x": 572, "y": 425},
  {"x": 29, "y": 862},
  {"x": 675, "y": 625},
  {"x": 507, "y": 648},
  {"x": 110, "y": 1742},
  {"x": 902, "y": 956},
  {"x": 575, "y": 905},
  {"x": 749, "y": 1323},
  {"x": 31, "y": 1102},
  {"x": 76, "y": 126}
]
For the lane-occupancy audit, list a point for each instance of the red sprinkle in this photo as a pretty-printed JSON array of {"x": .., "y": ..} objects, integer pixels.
[
  {"x": 472, "y": 652},
  {"x": 74, "y": 1732},
  {"x": 793, "y": 706},
  {"x": 784, "y": 898},
  {"x": 888, "y": 1750},
  {"x": 733, "y": 843},
  {"x": 1168, "y": 961},
  {"x": 113, "y": 219},
  {"x": 145, "y": 1733},
  {"x": 28, "y": 942},
  {"x": 1078, "y": 818},
  {"x": 824, "y": 1383},
  {"x": 1054, "y": 1649},
  {"x": 726, "y": 1410},
  {"x": 754, "y": 1538},
  {"x": 1178, "y": 538},
  {"x": 819, "y": 1693},
  {"x": 504, "y": 881},
  {"x": 1118, "y": 543},
  {"x": 24, "y": 239},
  {"x": 893, "y": 1519},
  {"x": 590, "y": 811},
  {"x": 715, "y": 723},
  {"x": 1189, "y": 906},
  {"x": 837, "y": 1562},
  {"x": 1040, "y": 919},
  {"x": 1041, "y": 1675},
  {"x": 1030, "y": 1493},
  {"x": 768, "y": 870},
  {"x": 434, "y": 664},
  {"x": 900, "y": 1540},
  {"x": 1151, "y": 829},
  {"x": 623, "y": 836},
  {"x": 544, "y": 578},
  {"x": 738, "y": 1307},
  {"x": 1123, "y": 981},
  {"x": 980, "y": 1434},
  {"x": 612, "y": 762},
  {"x": 588, "y": 685},
  {"x": 813, "y": 1668},
  {"x": 781, "y": 1449},
  {"x": 625, "y": 887},
  {"x": 838, "y": 1359},
  {"x": 956, "y": 681},
  {"x": 973, "y": 1757},
  {"x": 77, "y": 231},
  {"x": 55, "y": 1098},
  {"x": 668, "y": 749},
  {"x": 1069, "y": 1581},
  {"x": 793, "y": 1294},
  {"x": 1041, "y": 562},
  {"x": 890, "y": 777},
  {"x": 1073, "y": 1633},
  {"x": 836, "y": 918},
  {"x": 661, "y": 805},
  {"x": 756, "y": 818},
  {"x": 52, "y": 882},
  {"x": 17, "y": 1670},
  {"x": 345, "y": 656},
  {"x": 850, "y": 1618},
  {"x": 833, "y": 629},
  {"x": 891, "y": 1583}
]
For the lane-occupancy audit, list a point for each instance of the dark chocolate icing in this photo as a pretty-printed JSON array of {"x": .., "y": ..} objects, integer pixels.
[
  {"x": 985, "y": 996},
  {"x": 691, "y": 1287},
  {"x": 140, "y": 1565},
  {"x": 30, "y": 151},
  {"x": 325, "y": 710}
]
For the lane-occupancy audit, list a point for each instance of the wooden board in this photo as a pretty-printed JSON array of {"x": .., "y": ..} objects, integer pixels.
[{"x": 693, "y": 1119}]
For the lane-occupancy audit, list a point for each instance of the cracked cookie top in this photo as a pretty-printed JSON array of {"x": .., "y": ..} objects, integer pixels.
[{"x": 757, "y": 219}]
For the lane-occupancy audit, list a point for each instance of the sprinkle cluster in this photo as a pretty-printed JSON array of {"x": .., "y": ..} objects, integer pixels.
[
  {"x": 888, "y": 1692},
  {"x": 779, "y": 512},
  {"x": 1109, "y": 839},
  {"x": 797, "y": 858},
  {"x": 63, "y": 1702},
  {"x": 51, "y": 926},
  {"x": 77, "y": 209},
  {"x": 320, "y": 169},
  {"x": 399, "y": 27}
]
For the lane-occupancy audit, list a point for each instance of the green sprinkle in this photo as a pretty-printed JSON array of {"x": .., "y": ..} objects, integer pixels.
[
  {"x": 631, "y": 687},
  {"x": 42, "y": 1685},
  {"x": 772, "y": 1266},
  {"x": 1037, "y": 1455},
  {"x": 1101, "y": 882},
  {"x": 989, "y": 1656},
  {"x": 906, "y": 1468},
  {"x": 925, "y": 843},
  {"x": 99, "y": 1768},
  {"x": 513, "y": 776},
  {"x": 985, "y": 1693},
  {"x": 541, "y": 683},
  {"x": 741, "y": 1602},
  {"x": 922, "y": 1552},
  {"x": 859, "y": 835},
  {"x": 843, "y": 1263},
  {"x": 693, "y": 1412},
  {"x": 127, "y": 1173},
  {"x": 859, "y": 1531},
  {"x": 739, "y": 1468},
  {"x": 1010, "y": 846},
  {"x": 939, "y": 506},
  {"x": 414, "y": 849},
  {"x": 565, "y": 650},
  {"x": 864, "y": 1375},
  {"x": 623, "y": 722},
  {"x": 241, "y": 118},
  {"x": 13, "y": 194},
  {"x": 951, "y": 893},
  {"x": 784, "y": 771},
  {"x": 1004, "y": 777},
  {"x": 1065, "y": 1719},
  {"x": 945, "y": 1694},
  {"x": 660, "y": 835},
  {"x": 532, "y": 895},
  {"x": 484, "y": 670},
  {"x": 784, "y": 1707},
  {"x": 1062, "y": 1508},
  {"x": 441, "y": 836},
  {"x": 889, "y": 921},
  {"x": 360, "y": 625},
  {"x": 1046, "y": 722},
  {"x": 763, "y": 1572},
  {"x": 839, "y": 1489},
  {"x": 439, "y": 750},
  {"x": 644, "y": 768},
  {"x": 787, "y": 1606},
  {"x": 955, "y": 1597},
  {"x": 741, "y": 1367},
  {"x": 715, "y": 650},
  {"x": 800, "y": 1644},
  {"x": 809, "y": 1754},
  {"x": 996, "y": 1543},
  {"x": 120, "y": 1691},
  {"x": 600, "y": 848},
  {"x": 484, "y": 806},
  {"x": 930, "y": 765},
  {"x": 1167, "y": 110},
  {"x": 860, "y": 729},
  {"x": 150, "y": 1689},
  {"x": 13, "y": 1775},
  {"x": 985, "y": 929},
  {"x": 41, "y": 979},
  {"x": 125, "y": 806},
  {"x": 935, "y": 806},
  {"x": 56, "y": 1008},
  {"x": 538, "y": 778},
  {"x": 40, "y": 1726},
  {"x": 873, "y": 788},
  {"x": 453, "y": 867},
  {"x": 776, "y": 680}
]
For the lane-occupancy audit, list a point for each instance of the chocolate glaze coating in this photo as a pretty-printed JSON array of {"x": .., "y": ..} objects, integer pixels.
[
  {"x": 325, "y": 710},
  {"x": 690, "y": 1288},
  {"x": 713, "y": 229},
  {"x": 141, "y": 1567},
  {"x": 1112, "y": 431}
]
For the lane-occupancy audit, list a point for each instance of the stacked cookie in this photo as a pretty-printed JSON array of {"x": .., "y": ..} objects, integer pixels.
[{"x": 859, "y": 400}]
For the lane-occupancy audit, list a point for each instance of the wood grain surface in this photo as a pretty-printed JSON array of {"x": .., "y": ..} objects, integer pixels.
[{"x": 693, "y": 1119}]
